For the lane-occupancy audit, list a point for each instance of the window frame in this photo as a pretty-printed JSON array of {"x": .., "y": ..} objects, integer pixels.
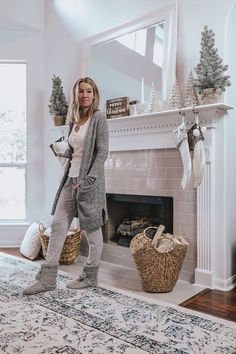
[{"x": 23, "y": 164}]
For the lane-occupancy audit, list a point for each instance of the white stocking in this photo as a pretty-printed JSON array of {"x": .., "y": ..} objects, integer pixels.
[
  {"x": 199, "y": 161},
  {"x": 182, "y": 144}
]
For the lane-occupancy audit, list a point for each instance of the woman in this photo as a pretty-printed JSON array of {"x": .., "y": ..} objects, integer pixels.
[{"x": 82, "y": 190}]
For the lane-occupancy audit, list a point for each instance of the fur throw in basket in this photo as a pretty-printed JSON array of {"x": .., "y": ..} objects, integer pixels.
[{"x": 158, "y": 259}]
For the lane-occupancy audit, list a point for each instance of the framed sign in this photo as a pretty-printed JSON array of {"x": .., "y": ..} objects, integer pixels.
[{"x": 117, "y": 107}]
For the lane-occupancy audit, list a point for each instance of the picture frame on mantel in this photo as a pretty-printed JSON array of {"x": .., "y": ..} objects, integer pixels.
[
  {"x": 117, "y": 107},
  {"x": 119, "y": 76}
]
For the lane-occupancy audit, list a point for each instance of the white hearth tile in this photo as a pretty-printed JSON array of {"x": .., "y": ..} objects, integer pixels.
[
  {"x": 172, "y": 152},
  {"x": 157, "y": 172},
  {"x": 109, "y": 172},
  {"x": 128, "y": 279},
  {"x": 172, "y": 184},
  {"x": 156, "y": 153},
  {"x": 110, "y": 161},
  {"x": 185, "y": 196},
  {"x": 188, "y": 265},
  {"x": 185, "y": 207},
  {"x": 131, "y": 172},
  {"x": 156, "y": 186},
  {"x": 125, "y": 261},
  {"x": 185, "y": 219},
  {"x": 191, "y": 254},
  {"x": 167, "y": 161},
  {"x": 191, "y": 240},
  {"x": 161, "y": 178},
  {"x": 174, "y": 172}
]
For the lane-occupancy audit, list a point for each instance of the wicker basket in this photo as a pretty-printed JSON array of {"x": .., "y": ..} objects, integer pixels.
[
  {"x": 159, "y": 260},
  {"x": 70, "y": 249}
]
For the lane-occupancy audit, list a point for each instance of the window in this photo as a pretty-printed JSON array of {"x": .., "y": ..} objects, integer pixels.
[
  {"x": 158, "y": 50},
  {"x": 135, "y": 41},
  {"x": 13, "y": 141}
]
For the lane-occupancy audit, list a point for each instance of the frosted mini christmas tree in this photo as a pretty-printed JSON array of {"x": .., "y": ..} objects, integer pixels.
[
  {"x": 175, "y": 100},
  {"x": 210, "y": 70},
  {"x": 152, "y": 107},
  {"x": 57, "y": 104},
  {"x": 190, "y": 97}
]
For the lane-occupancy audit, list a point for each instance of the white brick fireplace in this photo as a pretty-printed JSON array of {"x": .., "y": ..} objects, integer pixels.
[{"x": 143, "y": 160}]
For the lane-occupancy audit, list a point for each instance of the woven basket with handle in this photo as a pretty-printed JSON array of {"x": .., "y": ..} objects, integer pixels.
[
  {"x": 158, "y": 259},
  {"x": 70, "y": 249}
]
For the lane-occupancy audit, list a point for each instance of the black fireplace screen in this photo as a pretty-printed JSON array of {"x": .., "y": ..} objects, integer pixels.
[{"x": 130, "y": 214}]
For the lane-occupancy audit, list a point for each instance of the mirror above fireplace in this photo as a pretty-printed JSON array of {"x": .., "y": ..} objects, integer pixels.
[{"x": 126, "y": 60}]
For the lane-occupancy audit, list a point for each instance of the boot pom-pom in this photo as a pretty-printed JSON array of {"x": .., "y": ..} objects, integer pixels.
[{"x": 196, "y": 132}]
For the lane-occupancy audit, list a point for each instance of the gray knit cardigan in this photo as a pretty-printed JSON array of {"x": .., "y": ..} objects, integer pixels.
[{"x": 91, "y": 195}]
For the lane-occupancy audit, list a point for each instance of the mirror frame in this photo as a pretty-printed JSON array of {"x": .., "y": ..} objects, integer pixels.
[{"x": 168, "y": 14}]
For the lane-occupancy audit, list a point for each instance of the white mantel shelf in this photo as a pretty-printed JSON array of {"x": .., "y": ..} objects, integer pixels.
[{"x": 155, "y": 130}]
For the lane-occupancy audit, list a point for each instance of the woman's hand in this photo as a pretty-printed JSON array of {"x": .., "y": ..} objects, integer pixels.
[{"x": 76, "y": 186}]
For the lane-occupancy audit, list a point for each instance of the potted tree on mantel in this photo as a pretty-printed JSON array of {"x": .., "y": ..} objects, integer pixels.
[
  {"x": 58, "y": 105},
  {"x": 211, "y": 80}
]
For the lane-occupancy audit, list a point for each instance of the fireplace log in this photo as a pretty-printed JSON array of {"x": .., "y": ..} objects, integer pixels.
[{"x": 130, "y": 228}]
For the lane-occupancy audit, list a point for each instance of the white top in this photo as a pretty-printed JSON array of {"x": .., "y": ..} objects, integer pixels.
[{"x": 77, "y": 140}]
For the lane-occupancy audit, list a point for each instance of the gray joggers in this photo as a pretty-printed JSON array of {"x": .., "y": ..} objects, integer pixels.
[{"x": 64, "y": 214}]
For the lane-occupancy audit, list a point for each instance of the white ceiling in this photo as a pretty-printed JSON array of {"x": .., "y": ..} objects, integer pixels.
[
  {"x": 22, "y": 15},
  {"x": 88, "y": 17},
  {"x": 83, "y": 18}
]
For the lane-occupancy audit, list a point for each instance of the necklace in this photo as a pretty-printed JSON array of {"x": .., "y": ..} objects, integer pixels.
[
  {"x": 81, "y": 122},
  {"x": 77, "y": 128}
]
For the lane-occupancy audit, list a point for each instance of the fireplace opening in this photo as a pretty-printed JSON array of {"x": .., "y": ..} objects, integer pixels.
[{"x": 130, "y": 214}]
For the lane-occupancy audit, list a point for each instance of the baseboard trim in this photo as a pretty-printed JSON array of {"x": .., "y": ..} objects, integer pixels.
[
  {"x": 225, "y": 285},
  {"x": 203, "y": 278},
  {"x": 11, "y": 235},
  {"x": 206, "y": 279}
]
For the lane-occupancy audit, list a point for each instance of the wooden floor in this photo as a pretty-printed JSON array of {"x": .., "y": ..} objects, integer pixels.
[{"x": 213, "y": 302}]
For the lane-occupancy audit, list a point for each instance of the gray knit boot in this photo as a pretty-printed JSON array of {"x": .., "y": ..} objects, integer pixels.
[
  {"x": 46, "y": 280},
  {"x": 89, "y": 277},
  {"x": 37, "y": 276}
]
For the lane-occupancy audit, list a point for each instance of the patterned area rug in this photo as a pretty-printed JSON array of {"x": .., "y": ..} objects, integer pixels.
[{"x": 99, "y": 320}]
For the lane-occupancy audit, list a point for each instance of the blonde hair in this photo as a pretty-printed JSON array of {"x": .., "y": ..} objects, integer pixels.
[{"x": 74, "y": 107}]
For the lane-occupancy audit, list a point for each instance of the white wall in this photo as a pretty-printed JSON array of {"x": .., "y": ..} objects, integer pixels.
[
  {"x": 193, "y": 15},
  {"x": 62, "y": 58},
  {"x": 231, "y": 134},
  {"x": 22, "y": 38},
  {"x": 26, "y": 15}
]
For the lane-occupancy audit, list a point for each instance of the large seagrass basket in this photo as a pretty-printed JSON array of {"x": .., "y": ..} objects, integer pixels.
[
  {"x": 158, "y": 259},
  {"x": 71, "y": 245}
]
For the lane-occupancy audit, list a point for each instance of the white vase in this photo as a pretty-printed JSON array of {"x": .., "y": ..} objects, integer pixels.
[{"x": 210, "y": 95}]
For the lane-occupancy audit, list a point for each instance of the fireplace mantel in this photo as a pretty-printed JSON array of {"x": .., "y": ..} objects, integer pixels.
[
  {"x": 152, "y": 130},
  {"x": 155, "y": 130}
]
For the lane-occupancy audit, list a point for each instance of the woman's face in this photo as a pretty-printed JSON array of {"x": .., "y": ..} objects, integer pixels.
[{"x": 86, "y": 95}]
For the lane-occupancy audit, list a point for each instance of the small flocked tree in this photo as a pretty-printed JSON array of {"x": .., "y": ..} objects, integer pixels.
[
  {"x": 152, "y": 100},
  {"x": 57, "y": 104},
  {"x": 210, "y": 70},
  {"x": 190, "y": 97},
  {"x": 175, "y": 100}
]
